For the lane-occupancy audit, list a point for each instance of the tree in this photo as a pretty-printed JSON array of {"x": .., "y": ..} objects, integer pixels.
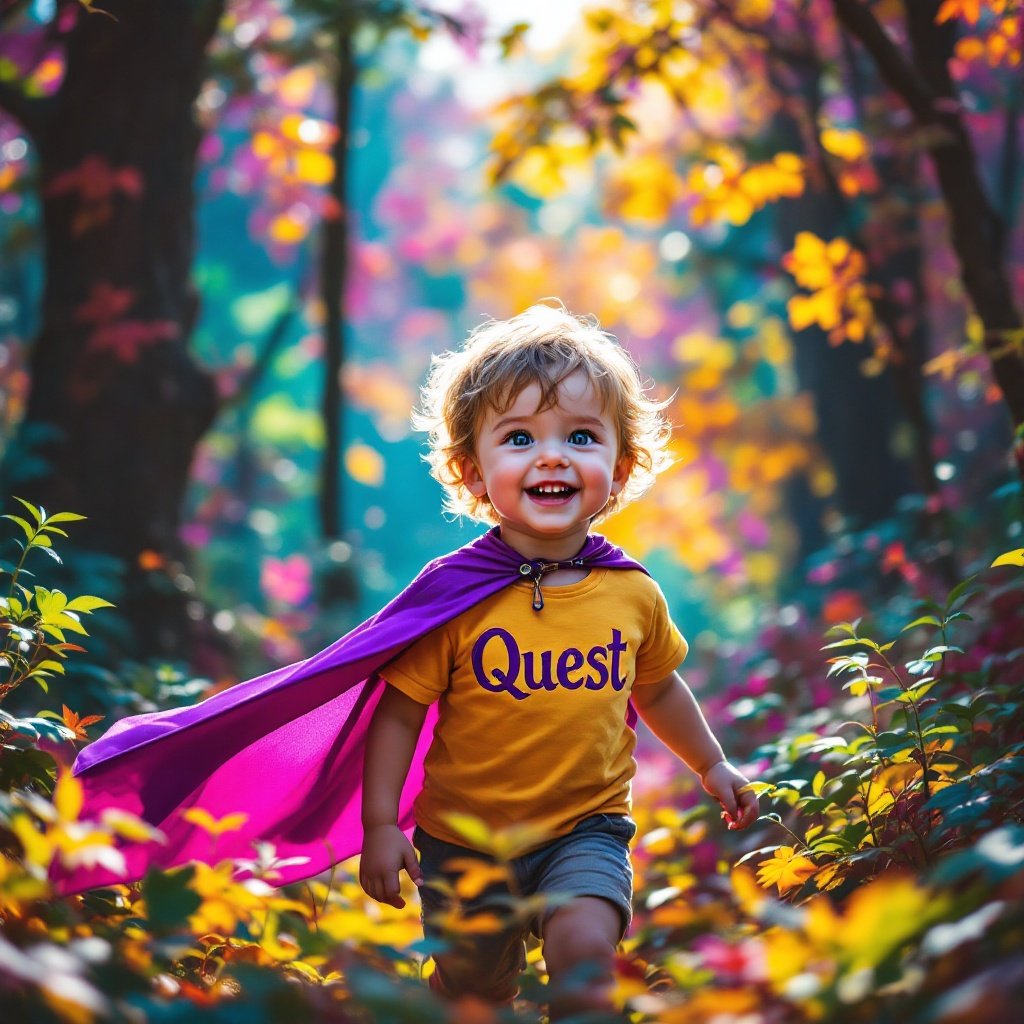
[
  {"x": 117, "y": 402},
  {"x": 776, "y": 108}
]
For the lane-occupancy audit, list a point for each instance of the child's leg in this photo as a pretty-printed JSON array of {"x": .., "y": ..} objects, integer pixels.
[
  {"x": 590, "y": 868},
  {"x": 479, "y": 961},
  {"x": 581, "y": 937}
]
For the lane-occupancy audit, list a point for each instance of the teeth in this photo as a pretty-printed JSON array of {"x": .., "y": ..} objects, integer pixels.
[{"x": 552, "y": 489}]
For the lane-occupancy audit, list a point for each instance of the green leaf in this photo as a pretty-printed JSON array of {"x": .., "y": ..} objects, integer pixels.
[
  {"x": 959, "y": 591},
  {"x": 87, "y": 604},
  {"x": 29, "y": 532},
  {"x": 841, "y": 629},
  {"x": 169, "y": 899},
  {"x": 50, "y": 666},
  {"x": 760, "y": 788},
  {"x": 924, "y": 620},
  {"x": 37, "y": 513},
  {"x": 959, "y": 711},
  {"x": 916, "y": 692},
  {"x": 64, "y": 517},
  {"x": 941, "y": 730},
  {"x": 830, "y": 844},
  {"x": 53, "y": 554},
  {"x": 71, "y": 623}
]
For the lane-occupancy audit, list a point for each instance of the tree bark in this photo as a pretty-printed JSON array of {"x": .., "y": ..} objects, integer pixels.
[
  {"x": 333, "y": 281},
  {"x": 977, "y": 232},
  {"x": 117, "y": 404}
]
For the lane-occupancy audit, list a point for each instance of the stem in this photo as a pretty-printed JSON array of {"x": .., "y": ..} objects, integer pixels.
[
  {"x": 866, "y": 797},
  {"x": 786, "y": 828},
  {"x": 918, "y": 731}
]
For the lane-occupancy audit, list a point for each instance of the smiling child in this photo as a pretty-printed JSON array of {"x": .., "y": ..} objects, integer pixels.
[{"x": 540, "y": 426}]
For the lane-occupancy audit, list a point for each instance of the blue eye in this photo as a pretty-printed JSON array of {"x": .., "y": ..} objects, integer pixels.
[
  {"x": 518, "y": 439},
  {"x": 581, "y": 438}
]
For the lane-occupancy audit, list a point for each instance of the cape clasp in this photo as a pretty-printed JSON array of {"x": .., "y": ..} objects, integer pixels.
[{"x": 538, "y": 569}]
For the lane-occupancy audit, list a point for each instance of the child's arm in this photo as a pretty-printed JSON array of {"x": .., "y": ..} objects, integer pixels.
[
  {"x": 671, "y": 712},
  {"x": 390, "y": 743}
]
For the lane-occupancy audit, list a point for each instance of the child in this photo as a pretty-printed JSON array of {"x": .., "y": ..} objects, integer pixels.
[{"x": 540, "y": 426}]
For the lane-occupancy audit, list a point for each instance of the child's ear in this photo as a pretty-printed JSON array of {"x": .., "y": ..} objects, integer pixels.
[
  {"x": 472, "y": 479},
  {"x": 621, "y": 474}
]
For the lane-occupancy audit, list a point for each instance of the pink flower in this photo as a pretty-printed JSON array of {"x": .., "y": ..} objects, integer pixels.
[{"x": 287, "y": 580}]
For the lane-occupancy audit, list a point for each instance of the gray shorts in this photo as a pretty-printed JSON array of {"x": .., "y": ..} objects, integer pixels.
[{"x": 591, "y": 860}]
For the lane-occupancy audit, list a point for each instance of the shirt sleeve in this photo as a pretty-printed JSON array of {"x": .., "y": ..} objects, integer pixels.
[
  {"x": 663, "y": 648},
  {"x": 423, "y": 670}
]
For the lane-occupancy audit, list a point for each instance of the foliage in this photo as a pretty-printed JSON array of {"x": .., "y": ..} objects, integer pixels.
[
  {"x": 898, "y": 884},
  {"x": 36, "y": 620}
]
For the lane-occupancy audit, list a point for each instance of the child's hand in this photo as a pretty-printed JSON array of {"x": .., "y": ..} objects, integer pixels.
[
  {"x": 724, "y": 782},
  {"x": 386, "y": 850}
]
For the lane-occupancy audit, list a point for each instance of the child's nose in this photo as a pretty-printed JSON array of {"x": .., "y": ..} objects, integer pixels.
[{"x": 551, "y": 453}]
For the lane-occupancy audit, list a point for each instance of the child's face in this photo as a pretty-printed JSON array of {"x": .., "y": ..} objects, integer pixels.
[{"x": 548, "y": 472}]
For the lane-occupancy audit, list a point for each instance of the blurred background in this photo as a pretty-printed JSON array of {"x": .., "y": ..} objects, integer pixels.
[{"x": 234, "y": 234}]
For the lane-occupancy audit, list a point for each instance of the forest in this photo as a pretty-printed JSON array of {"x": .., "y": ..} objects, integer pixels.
[{"x": 234, "y": 234}]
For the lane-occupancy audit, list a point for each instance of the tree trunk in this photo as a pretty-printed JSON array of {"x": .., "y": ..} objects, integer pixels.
[
  {"x": 977, "y": 232},
  {"x": 117, "y": 404},
  {"x": 333, "y": 281}
]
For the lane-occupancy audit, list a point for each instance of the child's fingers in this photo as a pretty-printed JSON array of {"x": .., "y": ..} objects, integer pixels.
[
  {"x": 747, "y": 809},
  {"x": 727, "y": 798},
  {"x": 392, "y": 888},
  {"x": 412, "y": 865}
]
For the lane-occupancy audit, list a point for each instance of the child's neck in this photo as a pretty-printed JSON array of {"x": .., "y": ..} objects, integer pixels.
[{"x": 547, "y": 549}]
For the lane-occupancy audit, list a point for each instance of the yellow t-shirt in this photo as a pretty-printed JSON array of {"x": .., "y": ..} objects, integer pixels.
[{"x": 532, "y": 716}]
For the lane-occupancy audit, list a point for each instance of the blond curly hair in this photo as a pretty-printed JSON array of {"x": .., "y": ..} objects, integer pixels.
[{"x": 542, "y": 345}]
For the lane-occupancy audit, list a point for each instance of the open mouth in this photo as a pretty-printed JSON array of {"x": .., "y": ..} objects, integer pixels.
[{"x": 551, "y": 492}]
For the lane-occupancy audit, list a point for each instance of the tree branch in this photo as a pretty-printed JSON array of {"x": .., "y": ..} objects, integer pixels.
[
  {"x": 896, "y": 70},
  {"x": 976, "y": 230}
]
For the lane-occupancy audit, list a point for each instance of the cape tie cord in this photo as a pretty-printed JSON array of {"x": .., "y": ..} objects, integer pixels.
[{"x": 536, "y": 570}]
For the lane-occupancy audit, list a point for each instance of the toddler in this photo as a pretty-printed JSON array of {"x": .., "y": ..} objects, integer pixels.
[{"x": 541, "y": 427}]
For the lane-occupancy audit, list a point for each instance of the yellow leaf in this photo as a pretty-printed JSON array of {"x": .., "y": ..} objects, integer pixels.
[
  {"x": 801, "y": 311},
  {"x": 314, "y": 167},
  {"x": 470, "y": 828},
  {"x": 1015, "y": 557},
  {"x": 364, "y": 464},
  {"x": 746, "y": 892},
  {"x": 969, "y": 10},
  {"x": 130, "y": 827},
  {"x": 287, "y": 229},
  {"x": 475, "y": 875},
  {"x": 213, "y": 826},
  {"x": 847, "y": 144},
  {"x": 38, "y": 849},
  {"x": 786, "y": 869},
  {"x": 296, "y": 88},
  {"x": 67, "y": 797}
]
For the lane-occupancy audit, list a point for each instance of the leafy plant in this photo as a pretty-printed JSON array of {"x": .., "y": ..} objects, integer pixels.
[
  {"x": 932, "y": 765},
  {"x": 37, "y": 620}
]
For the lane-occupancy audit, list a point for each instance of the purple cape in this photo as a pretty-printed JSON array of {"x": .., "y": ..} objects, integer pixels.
[{"x": 286, "y": 748}]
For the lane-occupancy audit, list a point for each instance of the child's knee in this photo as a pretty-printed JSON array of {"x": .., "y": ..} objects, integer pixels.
[
  {"x": 585, "y": 931},
  {"x": 461, "y": 973}
]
